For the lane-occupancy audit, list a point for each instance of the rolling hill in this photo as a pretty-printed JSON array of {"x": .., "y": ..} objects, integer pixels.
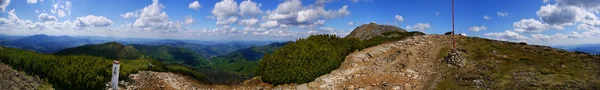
[
  {"x": 110, "y": 50},
  {"x": 173, "y": 55}
]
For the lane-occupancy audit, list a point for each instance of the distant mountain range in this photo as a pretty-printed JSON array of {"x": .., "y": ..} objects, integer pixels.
[
  {"x": 50, "y": 44},
  {"x": 44, "y": 43},
  {"x": 588, "y": 48}
]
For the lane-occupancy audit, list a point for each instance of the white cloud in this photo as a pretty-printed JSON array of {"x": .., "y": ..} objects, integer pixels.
[
  {"x": 61, "y": 8},
  {"x": 130, "y": 15},
  {"x": 555, "y": 15},
  {"x": 477, "y": 28},
  {"x": 152, "y": 18},
  {"x": 226, "y": 12},
  {"x": 399, "y": 18},
  {"x": 92, "y": 21},
  {"x": 31, "y": 1},
  {"x": 529, "y": 25},
  {"x": 559, "y": 36},
  {"x": 508, "y": 35},
  {"x": 189, "y": 20},
  {"x": 249, "y": 22},
  {"x": 419, "y": 26},
  {"x": 227, "y": 21},
  {"x": 573, "y": 34},
  {"x": 355, "y": 1},
  {"x": 3, "y": 4},
  {"x": 502, "y": 14},
  {"x": 591, "y": 25},
  {"x": 546, "y": 1},
  {"x": 249, "y": 8},
  {"x": 350, "y": 23},
  {"x": 292, "y": 13},
  {"x": 486, "y": 17},
  {"x": 36, "y": 11},
  {"x": 45, "y": 17},
  {"x": 591, "y": 5},
  {"x": 540, "y": 37},
  {"x": 269, "y": 24},
  {"x": 194, "y": 5}
]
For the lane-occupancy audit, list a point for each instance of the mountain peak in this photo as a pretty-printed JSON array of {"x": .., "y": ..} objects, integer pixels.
[{"x": 368, "y": 31}]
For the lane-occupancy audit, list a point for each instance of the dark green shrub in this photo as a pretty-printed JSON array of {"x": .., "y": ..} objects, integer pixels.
[{"x": 306, "y": 59}]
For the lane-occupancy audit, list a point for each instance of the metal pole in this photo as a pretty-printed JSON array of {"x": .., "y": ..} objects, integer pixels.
[{"x": 453, "y": 41}]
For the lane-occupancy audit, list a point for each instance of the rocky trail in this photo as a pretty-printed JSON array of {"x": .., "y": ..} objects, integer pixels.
[
  {"x": 11, "y": 79},
  {"x": 404, "y": 64}
]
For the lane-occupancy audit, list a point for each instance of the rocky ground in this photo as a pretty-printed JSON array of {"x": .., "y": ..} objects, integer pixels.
[{"x": 11, "y": 79}]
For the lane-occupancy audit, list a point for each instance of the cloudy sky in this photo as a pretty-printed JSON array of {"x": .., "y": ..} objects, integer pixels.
[{"x": 545, "y": 22}]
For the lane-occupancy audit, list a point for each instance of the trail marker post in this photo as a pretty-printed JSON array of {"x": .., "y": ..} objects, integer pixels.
[{"x": 114, "y": 82}]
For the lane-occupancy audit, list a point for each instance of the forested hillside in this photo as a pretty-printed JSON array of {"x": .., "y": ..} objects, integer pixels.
[
  {"x": 110, "y": 50},
  {"x": 244, "y": 61},
  {"x": 172, "y": 55}
]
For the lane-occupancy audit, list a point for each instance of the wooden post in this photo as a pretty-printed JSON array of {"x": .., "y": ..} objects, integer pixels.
[{"x": 114, "y": 82}]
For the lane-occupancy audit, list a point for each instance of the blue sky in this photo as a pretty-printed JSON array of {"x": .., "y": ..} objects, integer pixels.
[{"x": 545, "y": 22}]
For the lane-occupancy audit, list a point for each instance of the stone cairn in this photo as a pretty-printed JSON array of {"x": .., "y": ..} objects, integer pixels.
[{"x": 454, "y": 58}]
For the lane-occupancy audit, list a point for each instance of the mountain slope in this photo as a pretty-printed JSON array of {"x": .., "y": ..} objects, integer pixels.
[
  {"x": 172, "y": 55},
  {"x": 371, "y": 30},
  {"x": 209, "y": 51},
  {"x": 244, "y": 61},
  {"x": 110, "y": 50}
]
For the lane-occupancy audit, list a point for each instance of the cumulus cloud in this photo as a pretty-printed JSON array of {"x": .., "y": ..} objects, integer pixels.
[
  {"x": 419, "y": 26},
  {"x": 508, "y": 35},
  {"x": 545, "y": 1},
  {"x": 355, "y": 1},
  {"x": 249, "y": 22},
  {"x": 189, "y": 20},
  {"x": 592, "y": 5},
  {"x": 502, "y": 14},
  {"x": 486, "y": 17},
  {"x": 540, "y": 37},
  {"x": 592, "y": 25},
  {"x": 399, "y": 18},
  {"x": 3, "y": 4},
  {"x": 194, "y": 5},
  {"x": 269, "y": 24},
  {"x": 31, "y": 1},
  {"x": 225, "y": 11},
  {"x": 249, "y": 8},
  {"x": 529, "y": 25},
  {"x": 61, "y": 8},
  {"x": 130, "y": 15},
  {"x": 92, "y": 21},
  {"x": 477, "y": 28},
  {"x": 350, "y": 23},
  {"x": 292, "y": 13},
  {"x": 45, "y": 17},
  {"x": 152, "y": 17}
]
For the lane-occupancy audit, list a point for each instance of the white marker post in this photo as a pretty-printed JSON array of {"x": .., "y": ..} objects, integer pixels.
[{"x": 115, "y": 75}]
